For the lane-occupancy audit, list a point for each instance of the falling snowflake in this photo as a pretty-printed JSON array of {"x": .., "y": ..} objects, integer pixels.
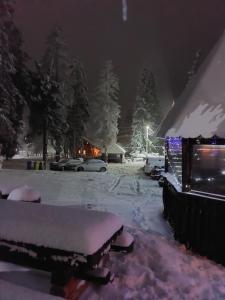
[{"x": 124, "y": 10}]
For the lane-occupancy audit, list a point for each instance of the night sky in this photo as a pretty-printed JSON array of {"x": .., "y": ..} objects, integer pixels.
[{"x": 164, "y": 34}]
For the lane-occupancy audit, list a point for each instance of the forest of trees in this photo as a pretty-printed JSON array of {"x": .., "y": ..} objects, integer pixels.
[
  {"x": 48, "y": 103},
  {"x": 51, "y": 100}
]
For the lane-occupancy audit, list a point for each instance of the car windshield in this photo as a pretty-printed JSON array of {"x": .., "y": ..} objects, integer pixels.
[{"x": 92, "y": 161}]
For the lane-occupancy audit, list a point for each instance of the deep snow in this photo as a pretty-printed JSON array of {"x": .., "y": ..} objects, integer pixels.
[
  {"x": 80, "y": 230},
  {"x": 159, "y": 267}
]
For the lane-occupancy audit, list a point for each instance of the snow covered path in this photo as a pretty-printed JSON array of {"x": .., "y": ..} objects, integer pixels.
[
  {"x": 159, "y": 267},
  {"x": 124, "y": 190}
]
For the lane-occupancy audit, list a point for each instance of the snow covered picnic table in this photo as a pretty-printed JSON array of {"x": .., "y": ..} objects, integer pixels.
[
  {"x": 71, "y": 229},
  {"x": 68, "y": 242}
]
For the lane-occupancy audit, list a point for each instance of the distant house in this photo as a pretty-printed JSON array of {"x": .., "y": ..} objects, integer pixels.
[
  {"x": 89, "y": 150},
  {"x": 194, "y": 181},
  {"x": 116, "y": 153}
]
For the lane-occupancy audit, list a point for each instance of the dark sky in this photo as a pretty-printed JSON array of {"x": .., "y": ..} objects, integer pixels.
[{"x": 165, "y": 34}]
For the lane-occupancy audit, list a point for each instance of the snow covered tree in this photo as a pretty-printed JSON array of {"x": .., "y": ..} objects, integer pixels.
[
  {"x": 78, "y": 110},
  {"x": 146, "y": 112},
  {"x": 55, "y": 62},
  {"x": 12, "y": 60},
  {"x": 51, "y": 93},
  {"x": 138, "y": 139},
  {"x": 45, "y": 107},
  {"x": 105, "y": 110}
]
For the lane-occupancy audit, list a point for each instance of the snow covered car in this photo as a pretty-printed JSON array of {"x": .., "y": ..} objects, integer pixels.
[
  {"x": 156, "y": 172},
  {"x": 65, "y": 164},
  {"x": 151, "y": 162},
  {"x": 95, "y": 165}
]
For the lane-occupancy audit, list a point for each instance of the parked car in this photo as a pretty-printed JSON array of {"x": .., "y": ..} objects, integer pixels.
[
  {"x": 65, "y": 164},
  {"x": 156, "y": 172},
  {"x": 95, "y": 165},
  {"x": 151, "y": 162}
]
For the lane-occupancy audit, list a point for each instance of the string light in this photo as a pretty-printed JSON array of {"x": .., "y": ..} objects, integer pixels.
[{"x": 174, "y": 146}]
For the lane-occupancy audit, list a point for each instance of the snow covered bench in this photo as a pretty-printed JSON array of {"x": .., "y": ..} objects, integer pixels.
[{"x": 64, "y": 241}]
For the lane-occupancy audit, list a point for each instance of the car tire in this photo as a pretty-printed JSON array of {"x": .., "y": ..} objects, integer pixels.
[
  {"x": 63, "y": 169},
  {"x": 80, "y": 169},
  {"x": 103, "y": 169}
]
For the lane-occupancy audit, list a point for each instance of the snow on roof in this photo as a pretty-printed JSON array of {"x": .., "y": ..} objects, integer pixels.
[
  {"x": 115, "y": 148},
  {"x": 201, "y": 108},
  {"x": 70, "y": 229},
  {"x": 24, "y": 193}
]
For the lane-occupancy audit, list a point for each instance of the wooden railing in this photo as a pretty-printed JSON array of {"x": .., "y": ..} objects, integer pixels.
[{"x": 198, "y": 221}]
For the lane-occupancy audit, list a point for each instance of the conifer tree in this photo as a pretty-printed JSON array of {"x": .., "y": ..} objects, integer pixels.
[
  {"x": 78, "y": 108},
  {"x": 56, "y": 62},
  {"x": 105, "y": 110},
  {"x": 50, "y": 96},
  {"x": 45, "y": 109},
  {"x": 12, "y": 70},
  {"x": 147, "y": 112}
]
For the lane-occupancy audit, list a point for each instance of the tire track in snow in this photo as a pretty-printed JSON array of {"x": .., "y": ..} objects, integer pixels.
[
  {"x": 116, "y": 184},
  {"x": 138, "y": 186},
  {"x": 126, "y": 185}
]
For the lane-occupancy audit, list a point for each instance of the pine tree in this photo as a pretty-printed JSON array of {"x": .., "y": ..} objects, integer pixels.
[
  {"x": 55, "y": 60},
  {"x": 105, "y": 110},
  {"x": 138, "y": 125},
  {"x": 78, "y": 108},
  {"x": 12, "y": 60},
  {"x": 56, "y": 63},
  {"x": 50, "y": 93},
  {"x": 45, "y": 108},
  {"x": 146, "y": 112}
]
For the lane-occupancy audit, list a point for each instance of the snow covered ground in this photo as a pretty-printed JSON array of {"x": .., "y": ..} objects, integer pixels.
[{"x": 159, "y": 267}]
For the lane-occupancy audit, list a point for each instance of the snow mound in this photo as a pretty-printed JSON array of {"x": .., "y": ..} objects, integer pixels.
[
  {"x": 24, "y": 193},
  {"x": 65, "y": 228},
  {"x": 124, "y": 239},
  {"x": 6, "y": 189},
  {"x": 163, "y": 269},
  {"x": 9, "y": 291}
]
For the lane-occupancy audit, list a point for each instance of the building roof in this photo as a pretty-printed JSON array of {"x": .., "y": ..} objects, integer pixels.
[
  {"x": 116, "y": 149},
  {"x": 200, "y": 110}
]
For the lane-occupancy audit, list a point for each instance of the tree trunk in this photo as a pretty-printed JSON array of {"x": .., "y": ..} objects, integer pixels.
[
  {"x": 57, "y": 150},
  {"x": 1, "y": 157},
  {"x": 105, "y": 155},
  {"x": 45, "y": 145}
]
